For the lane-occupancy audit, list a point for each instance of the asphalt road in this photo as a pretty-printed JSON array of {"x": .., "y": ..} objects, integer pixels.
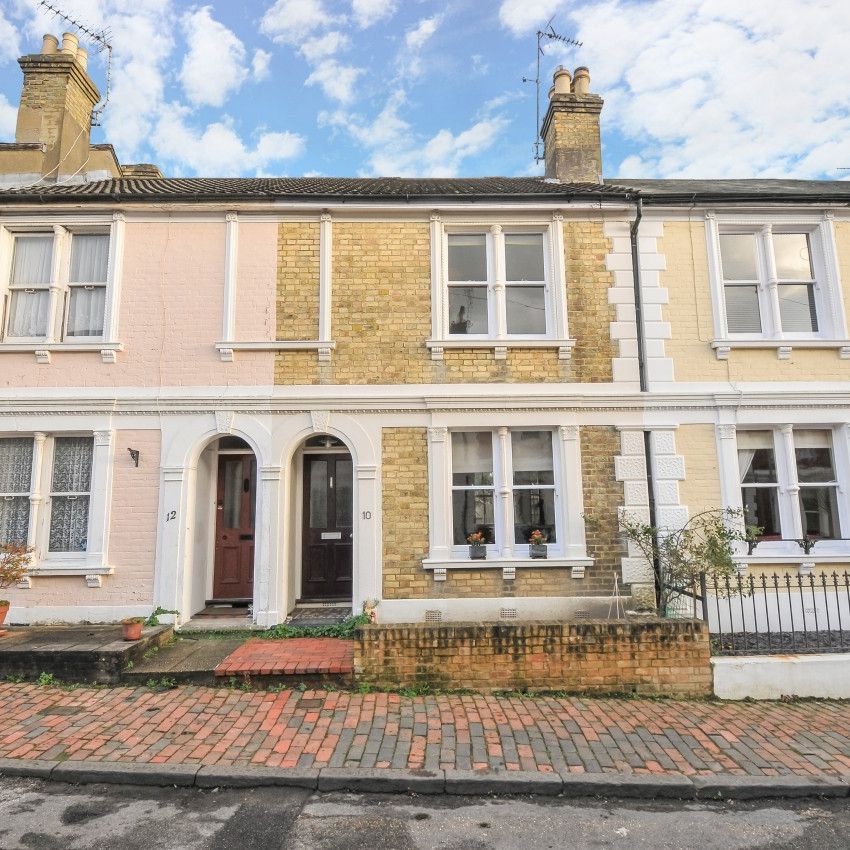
[{"x": 37, "y": 815}]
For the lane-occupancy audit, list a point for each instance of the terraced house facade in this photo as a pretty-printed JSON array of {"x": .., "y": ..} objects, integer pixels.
[{"x": 316, "y": 389}]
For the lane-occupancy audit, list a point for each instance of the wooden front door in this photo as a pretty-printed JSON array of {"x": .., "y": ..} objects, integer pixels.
[
  {"x": 328, "y": 528},
  {"x": 233, "y": 572}
]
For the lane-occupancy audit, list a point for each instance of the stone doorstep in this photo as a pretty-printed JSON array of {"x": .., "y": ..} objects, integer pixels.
[{"x": 465, "y": 782}]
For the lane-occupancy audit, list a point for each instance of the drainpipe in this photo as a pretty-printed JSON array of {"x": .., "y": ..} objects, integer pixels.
[{"x": 643, "y": 374}]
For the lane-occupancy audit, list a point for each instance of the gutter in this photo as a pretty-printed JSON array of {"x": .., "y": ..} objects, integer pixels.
[{"x": 643, "y": 377}]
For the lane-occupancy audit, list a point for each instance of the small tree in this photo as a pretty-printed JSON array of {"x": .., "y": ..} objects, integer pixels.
[
  {"x": 14, "y": 562},
  {"x": 704, "y": 544}
]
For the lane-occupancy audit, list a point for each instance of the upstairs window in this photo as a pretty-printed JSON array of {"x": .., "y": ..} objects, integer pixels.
[
  {"x": 57, "y": 287},
  {"x": 498, "y": 284},
  {"x": 773, "y": 281}
]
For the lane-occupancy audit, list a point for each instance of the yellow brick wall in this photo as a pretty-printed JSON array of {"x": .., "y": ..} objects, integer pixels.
[
  {"x": 588, "y": 311},
  {"x": 381, "y": 311},
  {"x": 700, "y": 491},
  {"x": 404, "y": 479},
  {"x": 690, "y": 316}
]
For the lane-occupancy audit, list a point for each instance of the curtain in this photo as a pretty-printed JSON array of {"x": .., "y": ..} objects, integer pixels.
[
  {"x": 69, "y": 515},
  {"x": 472, "y": 451},
  {"x": 28, "y": 313},
  {"x": 15, "y": 475},
  {"x": 89, "y": 257},
  {"x": 86, "y": 305},
  {"x": 72, "y": 459},
  {"x": 31, "y": 263}
]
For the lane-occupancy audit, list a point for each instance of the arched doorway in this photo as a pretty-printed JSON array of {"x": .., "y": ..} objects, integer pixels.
[
  {"x": 225, "y": 528},
  {"x": 326, "y": 521}
]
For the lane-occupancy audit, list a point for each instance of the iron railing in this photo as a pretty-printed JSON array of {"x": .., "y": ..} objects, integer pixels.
[{"x": 776, "y": 614}]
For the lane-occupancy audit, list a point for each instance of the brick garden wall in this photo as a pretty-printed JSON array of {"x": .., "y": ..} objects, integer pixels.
[{"x": 652, "y": 657}]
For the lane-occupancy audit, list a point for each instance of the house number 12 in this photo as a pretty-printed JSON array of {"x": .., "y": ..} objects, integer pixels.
[{"x": 170, "y": 516}]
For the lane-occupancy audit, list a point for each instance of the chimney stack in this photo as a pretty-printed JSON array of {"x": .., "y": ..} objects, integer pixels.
[
  {"x": 570, "y": 131},
  {"x": 56, "y": 106}
]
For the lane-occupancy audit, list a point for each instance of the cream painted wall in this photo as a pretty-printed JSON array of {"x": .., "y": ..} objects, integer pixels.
[
  {"x": 700, "y": 489},
  {"x": 171, "y": 313},
  {"x": 689, "y": 313}
]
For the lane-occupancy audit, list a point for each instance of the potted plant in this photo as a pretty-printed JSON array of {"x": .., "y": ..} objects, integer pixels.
[
  {"x": 14, "y": 562},
  {"x": 537, "y": 544},
  {"x": 133, "y": 627},
  {"x": 477, "y": 548}
]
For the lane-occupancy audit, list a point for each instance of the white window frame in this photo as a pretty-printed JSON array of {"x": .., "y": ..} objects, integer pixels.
[
  {"x": 832, "y": 327},
  {"x": 570, "y": 550},
  {"x": 790, "y": 518},
  {"x": 92, "y": 562},
  {"x": 63, "y": 229},
  {"x": 497, "y": 338}
]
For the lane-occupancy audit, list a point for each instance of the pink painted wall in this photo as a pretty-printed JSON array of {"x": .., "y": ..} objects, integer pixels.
[
  {"x": 171, "y": 313},
  {"x": 132, "y": 536}
]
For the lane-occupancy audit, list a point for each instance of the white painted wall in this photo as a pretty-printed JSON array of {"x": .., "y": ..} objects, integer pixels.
[{"x": 824, "y": 676}]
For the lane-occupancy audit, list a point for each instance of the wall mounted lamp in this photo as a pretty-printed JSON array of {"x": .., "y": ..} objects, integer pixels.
[{"x": 134, "y": 454}]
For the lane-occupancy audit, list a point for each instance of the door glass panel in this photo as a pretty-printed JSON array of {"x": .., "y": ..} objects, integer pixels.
[
  {"x": 318, "y": 494},
  {"x": 344, "y": 494},
  {"x": 232, "y": 493}
]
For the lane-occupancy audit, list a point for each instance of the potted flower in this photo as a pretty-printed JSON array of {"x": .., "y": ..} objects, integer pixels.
[
  {"x": 477, "y": 549},
  {"x": 133, "y": 627},
  {"x": 537, "y": 544},
  {"x": 14, "y": 561}
]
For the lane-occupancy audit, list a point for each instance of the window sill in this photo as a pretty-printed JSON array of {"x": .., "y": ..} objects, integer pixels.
[
  {"x": 508, "y": 566},
  {"x": 324, "y": 347},
  {"x": 722, "y": 347},
  {"x": 92, "y": 573},
  {"x": 500, "y": 346},
  {"x": 43, "y": 350}
]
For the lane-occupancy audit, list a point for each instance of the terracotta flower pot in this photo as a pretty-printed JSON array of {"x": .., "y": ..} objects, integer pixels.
[
  {"x": 4, "y": 610},
  {"x": 132, "y": 631}
]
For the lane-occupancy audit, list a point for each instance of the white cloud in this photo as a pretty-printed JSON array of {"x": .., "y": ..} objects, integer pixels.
[
  {"x": 314, "y": 49},
  {"x": 522, "y": 16},
  {"x": 215, "y": 63},
  {"x": 218, "y": 149},
  {"x": 260, "y": 64},
  {"x": 416, "y": 37},
  {"x": 8, "y": 118},
  {"x": 337, "y": 80},
  {"x": 10, "y": 46},
  {"x": 395, "y": 149},
  {"x": 368, "y": 12},
  {"x": 704, "y": 89},
  {"x": 291, "y": 21}
]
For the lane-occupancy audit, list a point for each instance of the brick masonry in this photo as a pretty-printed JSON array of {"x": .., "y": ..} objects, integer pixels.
[
  {"x": 381, "y": 310},
  {"x": 657, "y": 657}
]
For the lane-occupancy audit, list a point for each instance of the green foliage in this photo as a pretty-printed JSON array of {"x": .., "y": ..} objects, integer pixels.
[
  {"x": 46, "y": 680},
  {"x": 705, "y": 543},
  {"x": 164, "y": 683},
  {"x": 13, "y": 679},
  {"x": 153, "y": 620},
  {"x": 345, "y": 629}
]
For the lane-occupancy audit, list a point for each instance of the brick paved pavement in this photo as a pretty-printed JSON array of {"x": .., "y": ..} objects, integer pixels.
[
  {"x": 340, "y": 729},
  {"x": 293, "y": 657}
]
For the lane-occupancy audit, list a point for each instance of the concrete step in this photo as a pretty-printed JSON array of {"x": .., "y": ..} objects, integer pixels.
[
  {"x": 96, "y": 654},
  {"x": 186, "y": 660}
]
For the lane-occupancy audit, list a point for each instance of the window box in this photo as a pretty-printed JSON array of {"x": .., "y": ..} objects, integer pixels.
[
  {"x": 538, "y": 551},
  {"x": 477, "y": 552}
]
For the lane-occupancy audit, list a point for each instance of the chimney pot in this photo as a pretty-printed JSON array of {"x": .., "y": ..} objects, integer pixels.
[
  {"x": 561, "y": 79},
  {"x": 82, "y": 57},
  {"x": 581, "y": 84},
  {"x": 70, "y": 43},
  {"x": 49, "y": 44}
]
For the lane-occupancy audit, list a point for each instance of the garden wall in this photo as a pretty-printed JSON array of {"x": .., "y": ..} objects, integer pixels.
[{"x": 660, "y": 657}]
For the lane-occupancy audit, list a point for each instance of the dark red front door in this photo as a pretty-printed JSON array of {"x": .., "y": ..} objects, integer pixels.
[
  {"x": 328, "y": 528},
  {"x": 233, "y": 573}
]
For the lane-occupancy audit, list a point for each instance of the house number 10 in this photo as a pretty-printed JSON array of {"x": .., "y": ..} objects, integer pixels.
[{"x": 367, "y": 514}]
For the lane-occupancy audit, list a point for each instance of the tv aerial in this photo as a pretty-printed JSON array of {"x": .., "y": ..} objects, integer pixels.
[
  {"x": 100, "y": 40},
  {"x": 544, "y": 36}
]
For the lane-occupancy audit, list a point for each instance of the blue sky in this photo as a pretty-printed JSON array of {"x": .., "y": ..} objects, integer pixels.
[{"x": 693, "y": 88}]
